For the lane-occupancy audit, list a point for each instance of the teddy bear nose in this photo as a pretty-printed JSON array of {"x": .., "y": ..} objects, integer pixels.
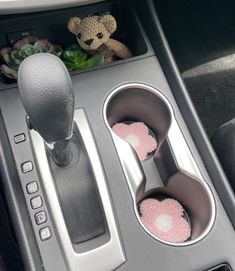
[{"x": 89, "y": 42}]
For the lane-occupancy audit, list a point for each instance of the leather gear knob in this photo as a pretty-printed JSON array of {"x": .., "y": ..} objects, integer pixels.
[{"x": 46, "y": 92}]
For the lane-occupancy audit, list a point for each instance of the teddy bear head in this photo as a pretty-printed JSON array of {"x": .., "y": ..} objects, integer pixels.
[{"x": 92, "y": 31}]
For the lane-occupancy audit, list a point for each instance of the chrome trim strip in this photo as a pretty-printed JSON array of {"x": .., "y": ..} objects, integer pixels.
[
  {"x": 182, "y": 155},
  {"x": 22, "y": 6},
  {"x": 135, "y": 173},
  {"x": 106, "y": 257}
]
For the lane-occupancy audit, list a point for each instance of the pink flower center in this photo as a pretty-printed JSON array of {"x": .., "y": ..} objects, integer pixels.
[
  {"x": 133, "y": 140},
  {"x": 163, "y": 222}
]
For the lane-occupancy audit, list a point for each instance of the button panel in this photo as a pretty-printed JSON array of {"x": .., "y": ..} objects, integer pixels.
[
  {"x": 32, "y": 187},
  {"x": 36, "y": 202},
  {"x": 27, "y": 167},
  {"x": 22, "y": 151}
]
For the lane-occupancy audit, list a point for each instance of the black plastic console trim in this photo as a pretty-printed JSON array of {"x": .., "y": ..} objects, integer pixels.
[
  {"x": 161, "y": 47},
  {"x": 16, "y": 202}
]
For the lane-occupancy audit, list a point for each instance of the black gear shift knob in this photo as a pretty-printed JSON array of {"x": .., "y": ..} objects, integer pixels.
[{"x": 47, "y": 95}]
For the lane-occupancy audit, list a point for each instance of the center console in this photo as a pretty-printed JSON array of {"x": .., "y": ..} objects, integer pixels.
[{"x": 86, "y": 215}]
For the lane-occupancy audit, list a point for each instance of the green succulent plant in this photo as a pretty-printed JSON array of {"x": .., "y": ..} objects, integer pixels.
[
  {"x": 13, "y": 57},
  {"x": 75, "y": 58}
]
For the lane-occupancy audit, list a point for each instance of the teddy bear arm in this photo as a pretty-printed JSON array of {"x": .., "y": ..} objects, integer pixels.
[{"x": 121, "y": 50}]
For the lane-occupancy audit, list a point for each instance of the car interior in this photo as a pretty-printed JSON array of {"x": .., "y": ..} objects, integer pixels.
[{"x": 117, "y": 135}]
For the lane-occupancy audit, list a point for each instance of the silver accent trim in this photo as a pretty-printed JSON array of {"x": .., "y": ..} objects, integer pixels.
[
  {"x": 22, "y": 6},
  {"x": 135, "y": 173},
  {"x": 106, "y": 257},
  {"x": 182, "y": 155}
]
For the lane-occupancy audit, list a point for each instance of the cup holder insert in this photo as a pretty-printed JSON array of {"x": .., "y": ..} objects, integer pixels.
[
  {"x": 192, "y": 196},
  {"x": 143, "y": 104},
  {"x": 139, "y": 105},
  {"x": 139, "y": 136},
  {"x": 165, "y": 218}
]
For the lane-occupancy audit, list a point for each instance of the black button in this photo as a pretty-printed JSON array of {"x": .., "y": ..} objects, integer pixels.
[
  {"x": 45, "y": 233},
  {"x": 36, "y": 202},
  {"x": 19, "y": 138},
  {"x": 32, "y": 187},
  {"x": 40, "y": 217},
  {"x": 27, "y": 167}
]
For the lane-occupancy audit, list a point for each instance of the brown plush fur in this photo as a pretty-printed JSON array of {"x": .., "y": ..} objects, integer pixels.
[{"x": 93, "y": 35}]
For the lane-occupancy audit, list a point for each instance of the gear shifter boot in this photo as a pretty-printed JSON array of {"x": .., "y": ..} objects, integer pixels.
[{"x": 78, "y": 195}]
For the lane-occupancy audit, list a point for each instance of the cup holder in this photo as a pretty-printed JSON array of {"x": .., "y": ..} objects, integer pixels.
[
  {"x": 192, "y": 198},
  {"x": 172, "y": 201},
  {"x": 139, "y": 105}
]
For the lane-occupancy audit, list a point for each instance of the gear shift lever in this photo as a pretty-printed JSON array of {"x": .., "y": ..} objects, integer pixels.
[{"x": 46, "y": 92}]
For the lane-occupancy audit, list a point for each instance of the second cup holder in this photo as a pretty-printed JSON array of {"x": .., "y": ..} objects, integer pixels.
[
  {"x": 172, "y": 201},
  {"x": 139, "y": 105},
  {"x": 187, "y": 216}
]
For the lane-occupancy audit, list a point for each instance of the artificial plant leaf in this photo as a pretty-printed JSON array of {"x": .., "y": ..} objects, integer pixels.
[
  {"x": 57, "y": 49},
  {"x": 71, "y": 66},
  {"x": 75, "y": 58},
  {"x": 95, "y": 60},
  {"x": 8, "y": 72},
  {"x": 4, "y": 53},
  {"x": 75, "y": 55},
  {"x": 27, "y": 40},
  {"x": 28, "y": 50},
  {"x": 17, "y": 55},
  {"x": 24, "y": 48},
  {"x": 14, "y": 60},
  {"x": 45, "y": 46}
]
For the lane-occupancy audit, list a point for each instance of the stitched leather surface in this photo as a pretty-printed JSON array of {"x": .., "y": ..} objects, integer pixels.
[{"x": 46, "y": 92}]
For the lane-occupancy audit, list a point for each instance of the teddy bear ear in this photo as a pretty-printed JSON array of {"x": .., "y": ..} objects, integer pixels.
[
  {"x": 73, "y": 24},
  {"x": 109, "y": 23}
]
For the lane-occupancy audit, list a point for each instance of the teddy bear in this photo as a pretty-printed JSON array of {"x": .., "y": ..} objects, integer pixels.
[{"x": 93, "y": 35}]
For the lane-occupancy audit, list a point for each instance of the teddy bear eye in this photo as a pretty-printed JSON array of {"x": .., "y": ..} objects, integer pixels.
[
  {"x": 100, "y": 35},
  {"x": 79, "y": 35}
]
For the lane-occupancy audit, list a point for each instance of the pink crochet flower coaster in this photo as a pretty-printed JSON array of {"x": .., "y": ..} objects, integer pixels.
[
  {"x": 165, "y": 219},
  {"x": 138, "y": 136}
]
